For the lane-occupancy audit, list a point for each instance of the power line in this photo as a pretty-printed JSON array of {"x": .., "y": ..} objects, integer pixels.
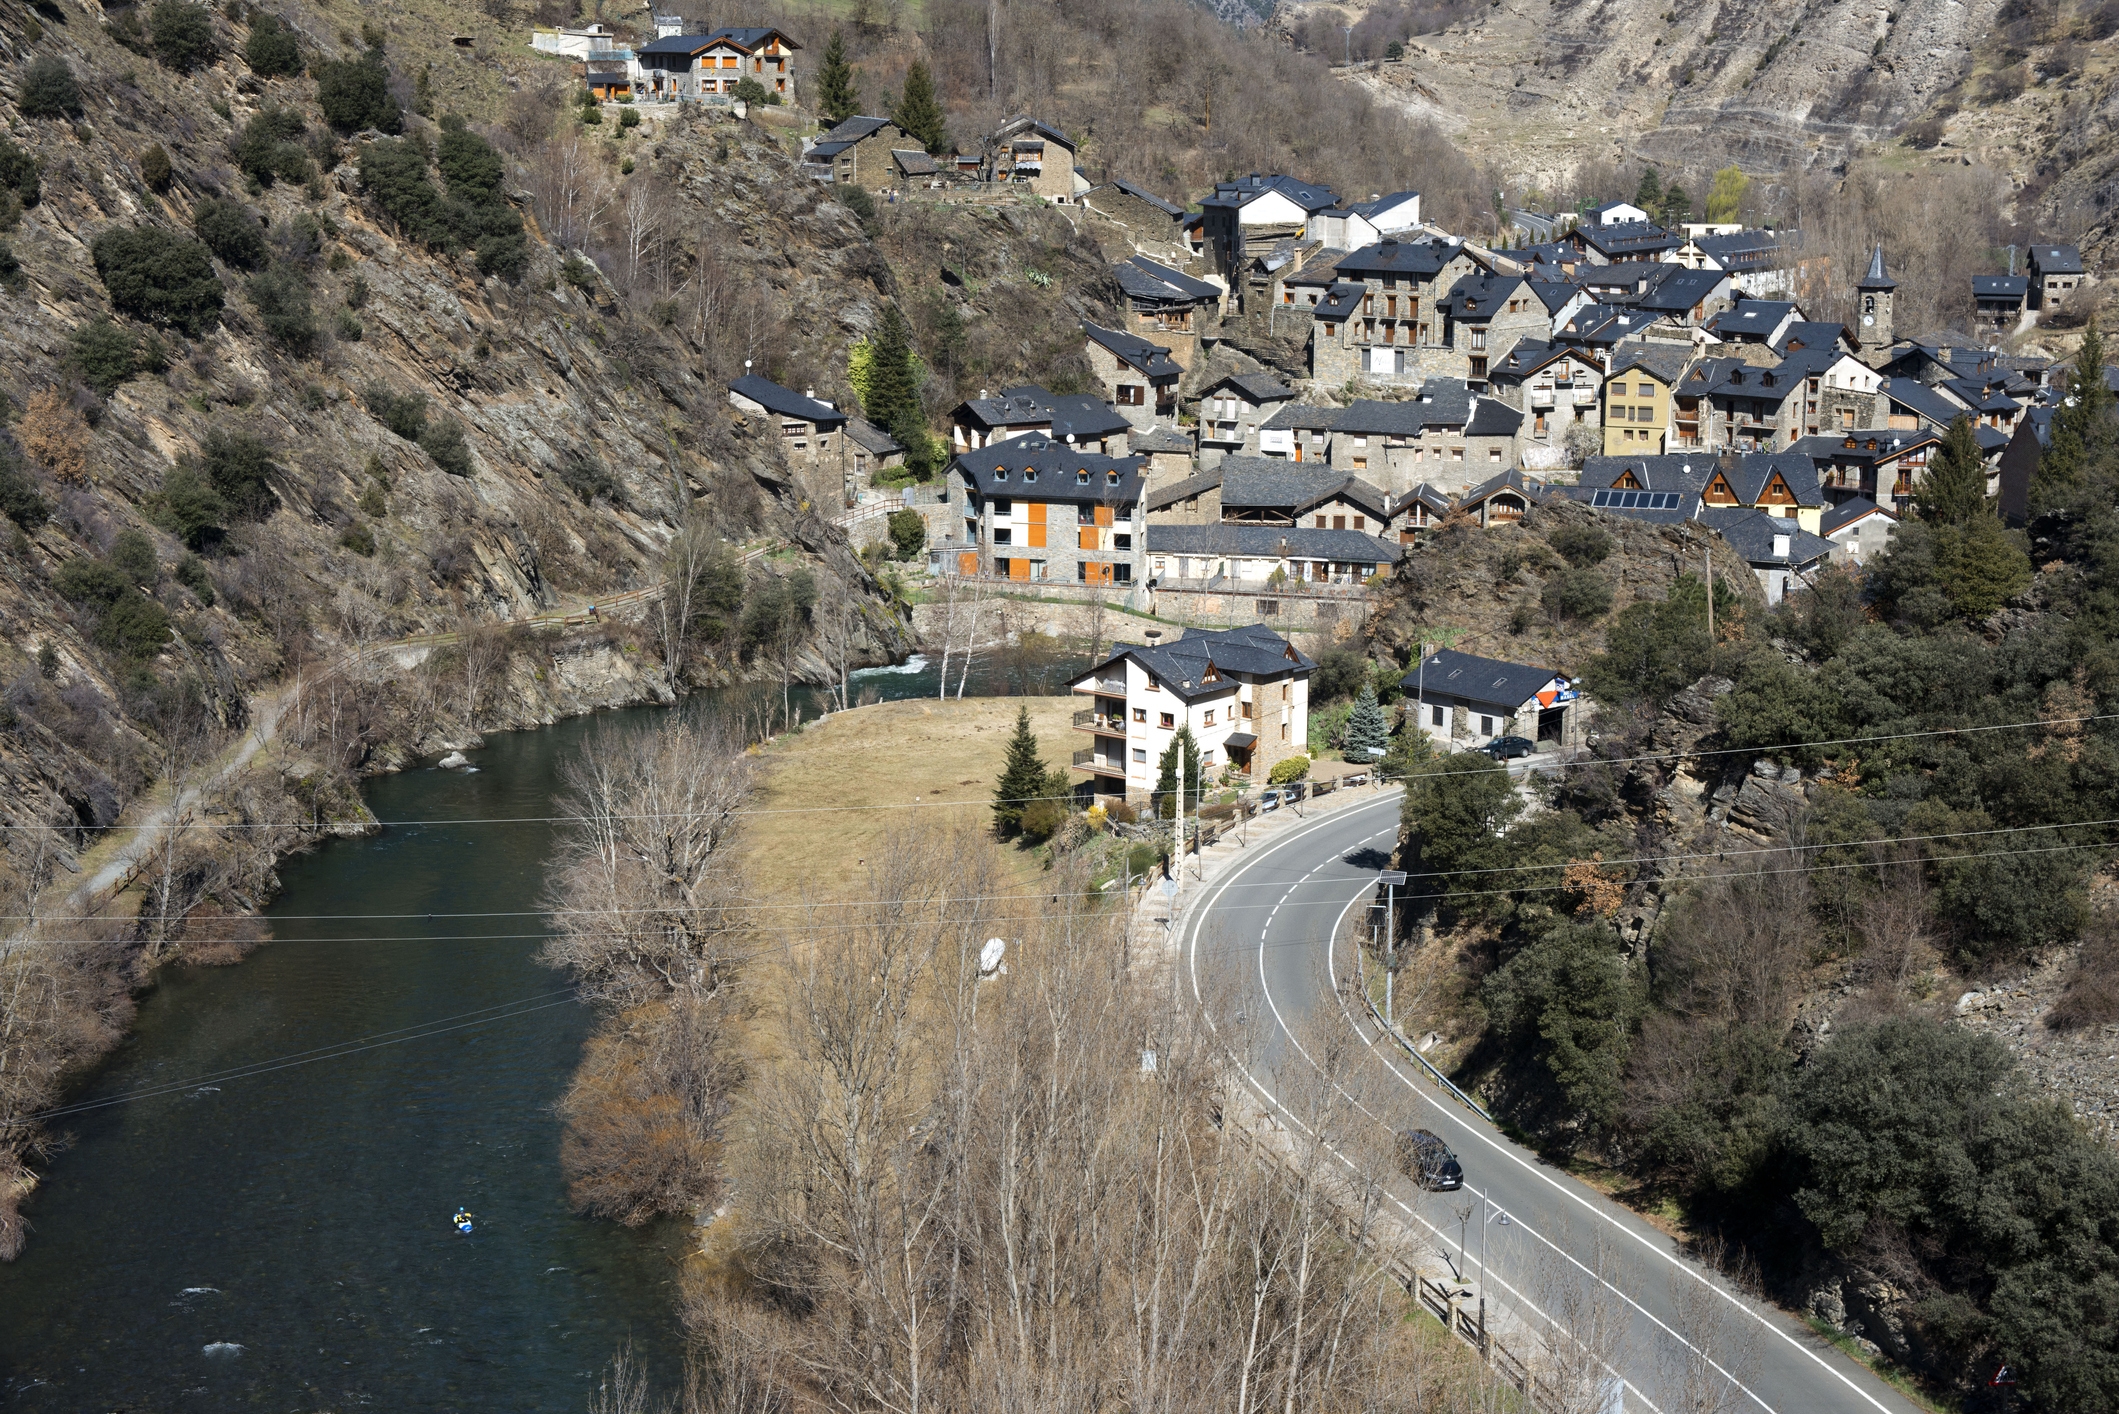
[{"x": 987, "y": 802}]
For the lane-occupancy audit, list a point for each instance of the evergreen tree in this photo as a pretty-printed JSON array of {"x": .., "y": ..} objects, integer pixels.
[
  {"x": 1677, "y": 207},
  {"x": 838, "y": 83},
  {"x": 2081, "y": 428},
  {"x": 919, "y": 112},
  {"x": 1367, "y": 734},
  {"x": 1022, "y": 778},
  {"x": 1649, "y": 196},
  {"x": 1166, "y": 780},
  {"x": 892, "y": 397},
  {"x": 1955, "y": 488}
]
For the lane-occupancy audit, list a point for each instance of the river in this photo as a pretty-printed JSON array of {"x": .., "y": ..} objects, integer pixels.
[{"x": 256, "y": 1214}]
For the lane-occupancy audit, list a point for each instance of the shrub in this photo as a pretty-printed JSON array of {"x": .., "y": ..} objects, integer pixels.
[
  {"x": 271, "y": 50},
  {"x": 1577, "y": 594},
  {"x": 49, "y": 91},
  {"x": 586, "y": 477},
  {"x": 359, "y": 539},
  {"x": 189, "y": 508},
  {"x": 394, "y": 174},
  {"x": 1291, "y": 768},
  {"x": 578, "y": 273},
  {"x": 347, "y": 327},
  {"x": 20, "y": 500},
  {"x": 182, "y": 35},
  {"x": 104, "y": 354},
  {"x": 506, "y": 254},
  {"x": 628, "y": 120},
  {"x": 267, "y": 150},
  {"x": 355, "y": 95},
  {"x": 194, "y": 576},
  {"x": 282, "y": 300},
  {"x": 54, "y": 432},
  {"x": 443, "y": 440},
  {"x": 95, "y": 583},
  {"x": 135, "y": 627},
  {"x": 373, "y": 502},
  {"x": 159, "y": 276},
  {"x": 232, "y": 232},
  {"x": 132, "y": 554},
  {"x": 405, "y": 414},
  {"x": 18, "y": 175},
  {"x": 908, "y": 534},
  {"x": 155, "y": 169},
  {"x": 1042, "y": 819},
  {"x": 10, "y": 266},
  {"x": 469, "y": 164},
  {"x": 240, "y": 468},
  {"x": 1581, "y": 545}
]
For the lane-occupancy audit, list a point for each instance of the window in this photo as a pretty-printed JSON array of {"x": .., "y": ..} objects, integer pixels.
[
  {"x": 1169, "y": 720},
  {"x": 1003, "y": 535},
  {"x": 1456, "y": 454},
  {"x": 1210, "y": 718},
  {"x": 1441, "y": 715},
  {"x": 1247, "y": 705},
  {"x": 1140, "y": 714},
  {"x": 1154, "y": 686},
  {"x": 1140, "y": 755},
  {"x": 1361, "y": 522},
  {"x": 1318, "y": 523},
  {"x": 1283, "y": 692},
  {"x": 1206, "y": 758},
  {"x": 1486, "y": 726},
  {"x": 1644, "y": 390},
  {"x": 1338, "y": 522},
  {"x": 1004, "y": 567},
  {"x": 1132, "y": 395},
  {"x": 1121, "y": 542}
]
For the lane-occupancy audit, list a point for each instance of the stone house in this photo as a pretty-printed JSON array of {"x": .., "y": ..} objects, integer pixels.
[
  {"x": 1859, "y": 527},
  {"x": 1246, "y": 556},
  {"x": 1557, "y": 388},
  {"x": 1167, "y": 453},
  {"x": 1168, "y": 306},
  {"x": 1463, "y": 702},
  {"x": 1484, "y": 315},
  {"x": 1037, "y": 156},
  {"x": 1690, "y": 297},
  {"x": 1139, "y": 378},
  {"x": 1193, "y": 500},
  {"x": 857, "y": 153},
  {"x": 1143, "y": 213},
  {"x": 1231, "y": 410},
  {"x": 1076, "y": 419},
  {"x": 1617, "y": 242},
  {"x": 1034, "y": 509},
  {"x": 1381, "y": 320},
  {"x": 1446, "y": 435},
  {"x": 1733, "y": 403},
  {"x": 1754, "y": 321},
  {"x": 2056, "y": 272},
  {"x": 763, "y": 54},
  {"x": 1781, "y": 554},
  {"x": 1876, "y": 464},
  {"x": 1501, "y": 500},
  {"x": 1262, "y": 491},
  {"x": 1840, "y": 392},
  {"x": 1639, "y": 406},
  {"x": 1998, "y": 302},
  {"x": 872, "y": 449},
  {"x": 811, "y": 432},
  {"x": 1242, "y": 694}
]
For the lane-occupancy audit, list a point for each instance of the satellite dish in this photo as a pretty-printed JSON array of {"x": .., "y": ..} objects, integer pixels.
[{"x": 990, "y": 956}]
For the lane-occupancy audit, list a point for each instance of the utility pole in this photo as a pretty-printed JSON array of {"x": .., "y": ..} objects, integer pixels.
[
  {"x": 1177, "y": 815},
  {"x": 1348, "y": 31},
  {"x": 1391, "y": 878},
  {"x": 1709, "y": 551}
]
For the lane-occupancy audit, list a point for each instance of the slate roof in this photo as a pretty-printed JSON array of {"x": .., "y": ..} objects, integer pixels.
[
  {"x": 1751, "y": 534},
  {"x": 1750, "y": 319},
  {"x": 1551, "y": 293},
  {"x": 1477, "y": 297},
  {"x": 1677, "y": 293},
  {"x": 1664, "y": 361},
  {"x": 1151, "y": 359},
  {"x": 1666, "y": 471},
  {"x": 1381, "y": 203},
  {"x": 1493, "y": 418},
  {"x": 853, "y": 130},
  {"x": 1293, "y": 487},
  {"x": 1302, "y": 417},
  {"x": 1320, "y": 269},
  {"x": 1160, "y": 439},
  {"x": 1143, "y": 278},
  {"x": 1310, "y": 196},
  {"x": 1847, "y": 512},
  {"x": 1139, "y": 193},
  {"x": 1529, "y": 488},
  {"x": 1339, "y": 303},
  {"x": 2008, "y": 287},
  {"x": 1487, "y": 682},
  {"x": 1811, "y": 334},
  {"x": 1005, "y": 469},
  {"x": 1733, "y": 377},
  {"x": 1990, "y": 439},
  {"x": 1180, "y": 665},
  {"x": 1301, "y": 542},
  {"x": 1603, "y": 324},
  {"x": 1876, "y": 279},
  {"x": 2056, "y": 259},
  {"x": 1742, "y": 250},
  {"x": 1259, "y": 388},
  {"x": 1918, "y": 397},
  {"x": 677, "y": 44},
  {"x": 1395, "y": 257},
  {"x": 913, "y": 162},
  {"x": 1530, "y": 355},
  {"x": 1016, "y": 126},
  {"x": 871, "y": 438},
  {"x": 1832, "y": 448},
  {"x": 1748, "y": 474},
  {"x": 1980, "y": 397},
  {"x": 1086, "y": 417},
  {"x": 1628, "y": 238},
  {"x": 749, "y": 38},
  {"x": 786, "y": 401},
  {"x": 1163, "y": 497}
]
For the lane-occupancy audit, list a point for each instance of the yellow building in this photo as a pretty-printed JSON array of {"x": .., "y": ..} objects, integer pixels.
[{"x": 1636, "y": 411}]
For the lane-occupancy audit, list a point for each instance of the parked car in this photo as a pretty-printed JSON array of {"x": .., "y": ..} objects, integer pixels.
[
  {"x": 1425, "y": 1159},
  {"x": 1269, "y": 800},
  {"x": 1295, "y": 790},
  {"x": 1508, "y": 748}
]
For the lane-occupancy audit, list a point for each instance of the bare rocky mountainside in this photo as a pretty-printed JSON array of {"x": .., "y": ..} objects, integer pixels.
[{"x": 1536, "y": 89}]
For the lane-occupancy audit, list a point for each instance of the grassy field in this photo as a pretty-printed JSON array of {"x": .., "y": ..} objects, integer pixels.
[{"x": 943, "y": 755}]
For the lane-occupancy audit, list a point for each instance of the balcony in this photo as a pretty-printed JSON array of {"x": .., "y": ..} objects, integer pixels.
[
  {"x": 1110, "y": 687},
  {"x": 1088, "y": 759},
  {"x": 1105, "y": 723},
  {"x": 1541, "y": 397}
]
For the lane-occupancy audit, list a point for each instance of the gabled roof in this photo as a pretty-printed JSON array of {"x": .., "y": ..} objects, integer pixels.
[
  {"x": 1917, "y": 397},
  {"x": 1163, "y": 497},
  {"x": 2056, "y": 259},
  {"x": 1041, "y": 468},
  {"x": 1753, "y": 535},
  {"x": 1086, "y": 418},
  {"x": 1754, "y": 319},
  {"x": 2008, "y": 287},
  {"x": 1529, "y": 488},
  {"x": 1867, "y": 445},
  {"x": 749, "y": 39},
  {"x": 786, "y": 401},
  {"x": 1301, "y": 542},
  {"x": 1310, "y": 196},
  {"x": 1160, "y": 439},
  {"x": 853, "y": 130},
  {"x": 1140, "y": 193},
  {"x": 1152, "y": 360},
  {"x": 1015, "y": 126},
  {"x": 1259, "y": 388},
  {"x": 677, "y": 44},
  {"x": 1493, "y": 418},
  {"x": 1626, "y": 238},
  {"x": 1339, "y": 303},
  {"x": 1142, "y": 278},
  {"x": 1378, "y": 205},
  {"x": 1476, "y": 297},
  {"x": 1811, "y": 334},
  {"x": 1664, "y": 361},
  {"x": 913, "y": 162},
  {"x": 1665, "y": 471},
  {"x": 871, "y": 438},
  {"x": 1678, "y": 292},
  {"x": 1292, "y": 488},
  {"x": 1750, "y": 473},
  {"x": 1530, "y": 355},
  {"x": 1603, "y": 324},
  {"x": 1741, "y": 250},
  {"x": 1487, "y": 682},
  {"x": 1322, "y": 268},
  {"x": 1302, "y": 417},
  {"x": 1847, "y": 513},
  {"x": 1734, "y": 378},
  {"x": 1551, "y": 293},
  {"x": 1181, "y": 666}
]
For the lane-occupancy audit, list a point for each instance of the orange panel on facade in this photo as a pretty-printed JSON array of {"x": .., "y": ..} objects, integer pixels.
[
  {"x": 1019, "y": 569},
  {"x": 1037, "y": 524},
  {"x": 967, "y": 562}
]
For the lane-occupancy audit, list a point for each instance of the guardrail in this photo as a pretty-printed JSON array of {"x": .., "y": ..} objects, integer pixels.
[{"x": 1424, "y": 1063}]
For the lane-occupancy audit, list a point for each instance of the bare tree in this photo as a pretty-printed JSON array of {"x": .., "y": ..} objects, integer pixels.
[
  {"x": 1715, "y": 1346},
  {"x": 684, "y": 564},
  {"x": 641, "y": 213}
]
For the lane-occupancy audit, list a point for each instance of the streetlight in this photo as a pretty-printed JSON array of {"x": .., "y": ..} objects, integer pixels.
[{"x": 1391, "y": 879}]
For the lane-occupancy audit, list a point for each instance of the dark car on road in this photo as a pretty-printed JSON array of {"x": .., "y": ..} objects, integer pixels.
[
  {"x": 1427, "y": 1161},
  {"x": 1508, "y": 748}
]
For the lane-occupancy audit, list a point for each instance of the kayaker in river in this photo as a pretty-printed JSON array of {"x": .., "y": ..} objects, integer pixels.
[{"x": 463, "y": 1220}]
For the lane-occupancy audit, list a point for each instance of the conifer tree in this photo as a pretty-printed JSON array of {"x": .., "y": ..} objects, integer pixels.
[
  {"x": 838, "y": 83},
  {"x": 1955, "y": 487},
  {"x": 1649, "y": 196},
  {"x": 1166, "y": 779},
  {"x": 919, "y": 112},
  {"x": 2081, "y": 427},
  {"x": 1022, "y": 778},
  {"x": 1677, "y": 207},
  {"x": 1367, "y": 733},
  {"x": 892, "y": 398}
]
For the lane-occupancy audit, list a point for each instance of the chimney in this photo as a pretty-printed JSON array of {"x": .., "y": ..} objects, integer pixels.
[
  {"x": 1780, "y": 547},
  {"x": 810, "y": 393}
]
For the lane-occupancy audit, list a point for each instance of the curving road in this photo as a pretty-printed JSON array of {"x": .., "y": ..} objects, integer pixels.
[{"x": 1562, "y": 1253}]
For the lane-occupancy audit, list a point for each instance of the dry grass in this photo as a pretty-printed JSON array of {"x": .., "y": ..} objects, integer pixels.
[{"x": 893, "y": 753}]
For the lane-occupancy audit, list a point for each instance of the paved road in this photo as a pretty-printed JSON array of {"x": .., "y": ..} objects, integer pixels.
[{"x": 1267, "y": 923}]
